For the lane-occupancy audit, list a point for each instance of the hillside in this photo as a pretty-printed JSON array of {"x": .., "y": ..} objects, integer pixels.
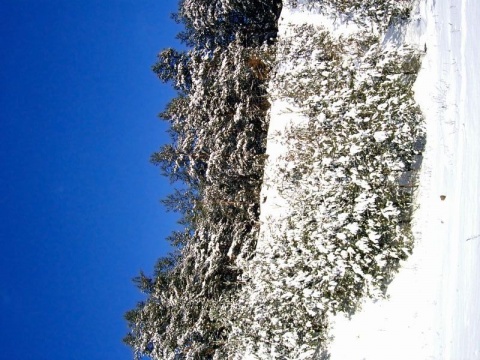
[
  {"x": 328, "y": 169},
  {"x": 434, "y": 311},
  {"x": 344, "y": 146}
]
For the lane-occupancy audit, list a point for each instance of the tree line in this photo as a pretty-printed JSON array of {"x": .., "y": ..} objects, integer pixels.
[{"x": 218, "y": 127}]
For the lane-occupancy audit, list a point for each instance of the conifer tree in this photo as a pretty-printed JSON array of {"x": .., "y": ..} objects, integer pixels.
[{"x": 218, "y": 130}]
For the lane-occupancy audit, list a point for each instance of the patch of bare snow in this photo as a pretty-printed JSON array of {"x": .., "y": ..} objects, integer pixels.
[
  {"x": 274, "y": 208},
  {"x": 300, "y": 16},
  {"x": 284, "y": 114}
]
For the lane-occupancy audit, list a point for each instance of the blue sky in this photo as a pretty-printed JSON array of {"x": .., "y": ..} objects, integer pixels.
[{"x": 79, "y": 201}]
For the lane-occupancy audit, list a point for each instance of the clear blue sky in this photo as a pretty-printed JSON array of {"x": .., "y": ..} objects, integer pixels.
[{"x": 79, "y": 205}]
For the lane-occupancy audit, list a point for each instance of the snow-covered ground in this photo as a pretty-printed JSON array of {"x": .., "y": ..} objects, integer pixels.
[{"x": 434, "y": 307}]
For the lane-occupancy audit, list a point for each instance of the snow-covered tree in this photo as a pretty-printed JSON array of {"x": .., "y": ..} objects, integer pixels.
[
  {"x": 230, "y": 289},
  {"x": 218, "y": 129}
]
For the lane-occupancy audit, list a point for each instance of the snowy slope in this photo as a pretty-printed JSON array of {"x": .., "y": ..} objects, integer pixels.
[
  {"x": 434, "y": 307},
  {"x": 433, "y": 310}
]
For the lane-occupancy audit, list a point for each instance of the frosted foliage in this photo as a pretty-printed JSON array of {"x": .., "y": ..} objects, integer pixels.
[
  {"x": 349, "y": 222},
  {"x": 366, "y": 13},
  {"x": 219, "y": 149}
]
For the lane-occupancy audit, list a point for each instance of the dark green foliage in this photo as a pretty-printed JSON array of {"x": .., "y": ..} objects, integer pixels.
[
  {"x": 210, "y": 24},
  {"x": 216, "y": 157},
  {"x": 172, "y": 66}
]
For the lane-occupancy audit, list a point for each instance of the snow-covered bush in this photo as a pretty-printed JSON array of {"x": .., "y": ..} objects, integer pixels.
[
  {"x": 368, "y": 13},
  {"x": 348, "y": 225}
]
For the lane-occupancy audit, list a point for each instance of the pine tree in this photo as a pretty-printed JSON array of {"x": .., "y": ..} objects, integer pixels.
[{"x": 218, "y": 130}]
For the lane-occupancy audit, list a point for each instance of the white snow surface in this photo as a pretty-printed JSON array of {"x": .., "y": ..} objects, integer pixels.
[{"x": 433, "y": 309}]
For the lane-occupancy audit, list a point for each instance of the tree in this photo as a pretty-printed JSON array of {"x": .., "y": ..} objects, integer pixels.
[{"x": 218, "y": 130}]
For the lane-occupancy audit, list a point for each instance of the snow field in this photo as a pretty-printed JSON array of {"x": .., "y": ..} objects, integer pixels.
[
  {"x": 433, "y": 311},
  {"x": 433, "y": 308}
]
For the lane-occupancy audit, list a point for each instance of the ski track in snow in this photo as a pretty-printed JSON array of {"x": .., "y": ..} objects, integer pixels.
[{"x": 433, "y": 310}]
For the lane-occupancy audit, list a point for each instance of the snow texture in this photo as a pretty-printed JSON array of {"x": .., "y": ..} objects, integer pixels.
[
  {"x": 433, "y": 310},
  {"x": 433, "y": 307},
  {"x": 342, "y": 132}
]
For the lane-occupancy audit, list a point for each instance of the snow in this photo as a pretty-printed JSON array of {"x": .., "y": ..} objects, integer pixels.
[
  {"x": 380, "y": 136},
  {"x": 433, "y": 310},
  {"x": 433, "y": 306},
  {"x": 296, "y": 16},
  {"x": 274, "y": 207}
]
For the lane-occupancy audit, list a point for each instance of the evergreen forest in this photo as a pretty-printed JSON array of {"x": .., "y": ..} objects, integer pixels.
[
  {"x": 218, "y": 127},
  {"x": 230, "y": 287}
]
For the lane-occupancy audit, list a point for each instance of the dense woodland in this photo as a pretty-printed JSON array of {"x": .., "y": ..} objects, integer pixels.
[
  {"x": 218, "y": 130},
  {"x": 216, "y": 296}
]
